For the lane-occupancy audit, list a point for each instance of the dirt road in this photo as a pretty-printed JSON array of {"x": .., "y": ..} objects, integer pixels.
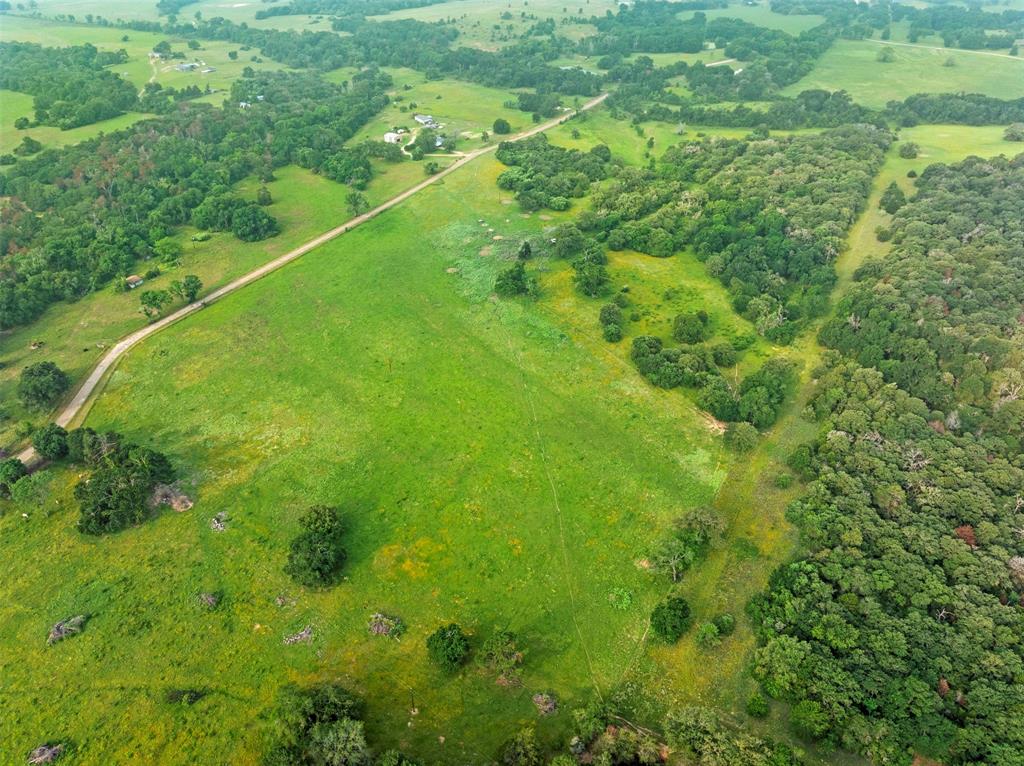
[{"x": 84, "y": 395}]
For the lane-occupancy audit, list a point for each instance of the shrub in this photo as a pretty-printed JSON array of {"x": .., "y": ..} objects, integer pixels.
[
  {"x": 521, "y": 750},
  {"x": 783, "y": 480},
  {"x": 116, "y": 494},
  {"x": 51, "y": 442},
  {"x": 757, "y": 705},
  {"x": 690, "y": 327},
  {"x": 501, "y": 127},
  {"x": 448, "y": 647},
  {"x": 707, "y": 636},
  {"x": 316, "y": 555},
  {"x": 612, "y": 333},
  {"x": 741, "y": 437},
  {"x": 724, "y": 354},
  {"x": 909, "y": 150},
  {"x": 725, "y": 623},
  {"x": 670, "y": 619},
  {"x": 514, "y": 281},
  {"x": 501, "y": 655}
]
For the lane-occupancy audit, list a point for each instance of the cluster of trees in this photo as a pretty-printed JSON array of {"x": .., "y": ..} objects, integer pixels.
[
  {"x": 115, "y": 493},
  {"x": 343, "y": 8},
  {"x": 899, "y": 632},
  {"x": 135, "y": 186},
  {"x": 769, "y": 219},
  {"x": 704, "y": 736},
  {"x": 318, "y": 725},
  {"x": 957, "y": 108},
  {"x": 546, "y": 176},
  {"x": 757, "y": 400},
  {"x": 962, "y": 27},
  {"x": 70, "y": 86},
  {"x": 774, "y": 58}
]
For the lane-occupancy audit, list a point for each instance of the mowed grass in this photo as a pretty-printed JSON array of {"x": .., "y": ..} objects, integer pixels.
[
  {"x": 852, "y": 65},
  {"x": 492, "y": 470},
  {"x": 75, "y": 335}
]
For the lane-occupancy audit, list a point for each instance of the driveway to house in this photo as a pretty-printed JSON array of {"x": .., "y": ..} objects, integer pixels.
[{"x": 83, "y": 397}]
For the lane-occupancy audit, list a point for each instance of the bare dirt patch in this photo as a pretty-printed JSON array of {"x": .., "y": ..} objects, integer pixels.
[{"x": 171, "y": 495}]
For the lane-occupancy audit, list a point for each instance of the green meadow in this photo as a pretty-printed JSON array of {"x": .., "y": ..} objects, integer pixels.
[
  {"x": 763, "y": 16},
  {"x": 853, "y": 66},
  {"x": 139, "y": 69},
  {"x": 75, "y": 335},
  {"x": 481, "y": 25},
  {"x": 465, "y": 109},
  {"x": 492, "y": 470}
]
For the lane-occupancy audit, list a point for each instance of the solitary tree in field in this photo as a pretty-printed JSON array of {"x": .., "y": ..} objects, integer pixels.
[
  {"x": 448, "y": 647},
  {"x": 42, "y": 384},
  {"x": 357, "y": 203}
]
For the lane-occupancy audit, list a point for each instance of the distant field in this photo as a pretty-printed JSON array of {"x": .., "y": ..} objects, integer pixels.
[
  {"x": 139, "y": 69},
  {"x": 75, "y": 334},
  {"x": 762, "y": 16},
  {"x": 492, "y": 469},
  {"x": 852, "y": 65},
  {"x": 14, "y": 105},
  {"x": 462, "y": 107},
  {"x": 477, "y": 20}
]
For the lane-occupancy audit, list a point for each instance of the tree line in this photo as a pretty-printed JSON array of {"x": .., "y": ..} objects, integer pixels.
[{"x": 898, "y": 632}]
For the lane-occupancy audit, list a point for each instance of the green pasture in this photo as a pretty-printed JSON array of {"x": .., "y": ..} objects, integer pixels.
[
  {"x": 492, "y": 469},
  {"x": 476, "y": 19},
  {"x": 75, "y": 335},
  {"x": 762, "y": 16},
  {"x": 852, "y": 65},
  {"x": 140, "y": 69},
  {"x": 465, "y": 109},
  {"x": 14, "y": 105}
]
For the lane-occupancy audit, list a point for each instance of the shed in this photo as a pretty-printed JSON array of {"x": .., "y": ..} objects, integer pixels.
[{"x": 133, "y": 281}]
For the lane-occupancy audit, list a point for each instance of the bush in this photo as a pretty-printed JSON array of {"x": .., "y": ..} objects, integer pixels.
[
  {"x": 725, "y": 623},
  {"x": 448, "y": 647},
  {"x": 757, "y": 705},
  {"x": 690, "y": 327},
  {"x": 514, "y": 281},
  {"x": 724, "y": 354},
  {"x": 521, "y": 750},
  {"x": 501, "y": 655},
  {"x": 783, "y": 480},
  {"x": 51, "y": 442},
  {"x": 501, "y": 127},
  {"x": 707, "y": 636},
  {"x": 741, "y": 437},
  {"x": 909, "y": 150},
  {"x": 670, "y": 619},
  {"x": 612, "y": 333},
  {"x": 316, "y": 555},
  {"x": 42, "y": 384}
]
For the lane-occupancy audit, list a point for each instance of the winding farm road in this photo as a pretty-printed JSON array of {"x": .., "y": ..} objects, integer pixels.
[{"x": 84, "y": 395}]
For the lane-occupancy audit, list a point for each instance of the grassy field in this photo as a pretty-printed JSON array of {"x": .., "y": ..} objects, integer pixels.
[
  {"x": 481, "y": 25},
  {"x": 139, "y": 69},
  {"x": 852, "y": 65},
  {"x": 14, "y": 105},
  {"x": 465, "y": 109},
  {"x": 762, "y": 16},
  {"x": 513, "y": 483},
  {"x": 75, "y": 335}
]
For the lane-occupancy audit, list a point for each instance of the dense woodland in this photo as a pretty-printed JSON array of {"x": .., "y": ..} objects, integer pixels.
[
  {"x": 81, "y": 216},
  {"x": 900, "y": 632},
  {"x": 71, "y": 86}
]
